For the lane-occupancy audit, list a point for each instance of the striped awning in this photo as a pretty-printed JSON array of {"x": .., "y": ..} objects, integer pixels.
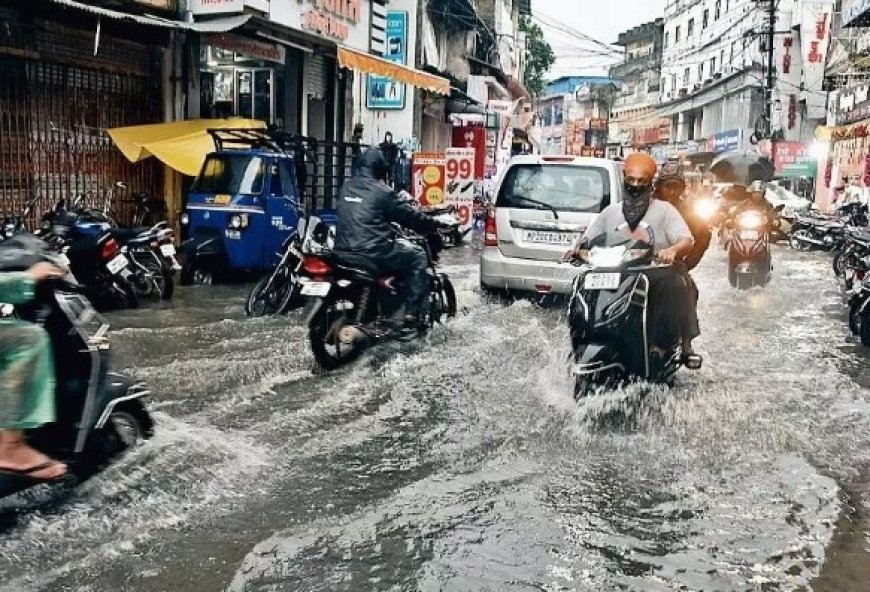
[{"x": 369, "y": 64}]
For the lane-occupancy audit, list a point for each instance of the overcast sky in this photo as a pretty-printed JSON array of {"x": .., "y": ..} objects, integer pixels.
[{"x": 603, "y": 20}]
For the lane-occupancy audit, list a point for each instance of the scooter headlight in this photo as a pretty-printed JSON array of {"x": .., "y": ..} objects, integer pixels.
[
  {"x": 752, "y": 220},
  {"x": 185, "y": 219},
  {"x": 706, "y": 209},
  {"x": 238, "y": 221}
]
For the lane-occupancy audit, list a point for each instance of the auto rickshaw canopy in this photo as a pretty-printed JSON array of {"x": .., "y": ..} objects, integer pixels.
[{"x": 180, "y": 145}]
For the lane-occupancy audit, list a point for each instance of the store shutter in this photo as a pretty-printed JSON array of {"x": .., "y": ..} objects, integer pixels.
[{"x": 316, "y": 72}]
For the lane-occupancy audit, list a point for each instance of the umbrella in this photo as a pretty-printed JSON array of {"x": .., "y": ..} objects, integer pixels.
[
  {"x": 742, "y": 168},
  {"x": 180, "y": 145}
]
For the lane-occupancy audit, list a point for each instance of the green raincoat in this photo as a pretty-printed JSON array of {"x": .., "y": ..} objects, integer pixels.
[{"x": 26, "y": 365}]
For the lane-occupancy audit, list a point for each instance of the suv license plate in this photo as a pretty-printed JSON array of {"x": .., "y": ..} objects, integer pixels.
[
  {"x": 550, "y": 238},
  {"x": 117, "y": 264},
  {"x": 601, "y": 281},
  {"x": 319, "y": 289},
  {"x": 167, "y": 250}
]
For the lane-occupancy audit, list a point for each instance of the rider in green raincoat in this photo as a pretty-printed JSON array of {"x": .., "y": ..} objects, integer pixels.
[{"x": 26, "y": 380}]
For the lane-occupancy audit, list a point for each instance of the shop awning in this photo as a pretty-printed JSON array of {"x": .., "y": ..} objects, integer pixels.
[
  {"x": 219, "y": 25},
  {"x": 363, "y": 62},
  {"x": 180, "y": 145}
]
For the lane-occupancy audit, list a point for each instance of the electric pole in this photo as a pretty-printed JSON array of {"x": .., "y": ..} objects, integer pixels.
[{"x": 771, "y": 78}]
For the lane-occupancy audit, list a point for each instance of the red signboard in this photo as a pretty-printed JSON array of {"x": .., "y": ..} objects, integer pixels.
[
  {"x": 472, "y": 137},
  {"x": 427, "y": 172}
]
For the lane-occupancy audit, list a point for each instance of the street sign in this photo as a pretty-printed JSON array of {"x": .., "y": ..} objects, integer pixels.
[{"x": 793, "y": 159}]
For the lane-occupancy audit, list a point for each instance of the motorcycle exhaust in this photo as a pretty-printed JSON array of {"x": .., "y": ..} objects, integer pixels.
[{"x": 813, "y": 241}]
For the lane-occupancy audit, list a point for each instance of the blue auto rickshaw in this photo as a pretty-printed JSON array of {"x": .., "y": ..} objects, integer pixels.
[{"x": 242, "y": 206}]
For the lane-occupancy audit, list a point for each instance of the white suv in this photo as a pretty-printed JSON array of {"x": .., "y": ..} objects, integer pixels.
[{"x": 543, "y": 203}]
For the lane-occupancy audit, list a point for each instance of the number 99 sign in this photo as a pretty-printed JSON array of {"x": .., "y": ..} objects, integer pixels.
[
  {"x": 463, "y": 212},
  {"x": 459, "y": 169}
]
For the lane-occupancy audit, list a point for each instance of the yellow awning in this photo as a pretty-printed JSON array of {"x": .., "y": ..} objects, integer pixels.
[
  {"x": 180, "y": 145},
  {"x": 363, "y": 62}
]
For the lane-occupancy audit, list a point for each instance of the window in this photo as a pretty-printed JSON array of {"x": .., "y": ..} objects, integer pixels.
[
  {"x": 231, "y": 174},
  {"x": 706, "y": 20},
  {"x": 667, "y": 38},
  {"x": 718, "y": 9},
  {"x": 712, "y": 66},
  {"x": 686, "y": 75},
  {"x": 722, "y": 60},
  {"x": 690, "y": 30},
  {"x": 677, "y": 34},
  {"x": 565, "y": 187},
  {"x": 701, "y": 72},
  {"x": 664, "y": 84}
]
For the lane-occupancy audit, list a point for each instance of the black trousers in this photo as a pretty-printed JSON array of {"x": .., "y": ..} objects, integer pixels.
[
  {"x": 409, "y": 263},
  {"x": 673, "y": 300}
]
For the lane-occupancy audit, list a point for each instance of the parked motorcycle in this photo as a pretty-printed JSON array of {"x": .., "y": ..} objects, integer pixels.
[
  {"x": 280, "y": 291},
  {"x": 352, "y": 309},
  {"x": 607, "y": 317},
  {"x": 859, "y": 309},
  {"x": 849, "y": 263},
  {"x": 827, "y": 232},
  {"x": 99, "y": 413},
  {"x": 749, "y": 260},
  {"x": 96, "y": 261},
  {"x": 451, "y": 226}
]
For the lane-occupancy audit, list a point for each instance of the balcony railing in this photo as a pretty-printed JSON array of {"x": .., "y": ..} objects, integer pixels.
[{"x": 638, "y": 64}]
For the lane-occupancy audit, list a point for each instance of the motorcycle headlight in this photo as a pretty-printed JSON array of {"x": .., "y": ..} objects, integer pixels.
[
  {"x": 606, "y": 256},
  {"x": 752, "y": 220},
  {"x": 706, "y": 209},
  {"x": 185, "y": 219},
  {"x": 238, "y": 221}
]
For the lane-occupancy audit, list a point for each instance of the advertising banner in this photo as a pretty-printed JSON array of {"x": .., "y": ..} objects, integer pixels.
[
  {"x": 384, "y": 92},
  {"x": 427, "y": 171},
  {"x": 793, "y": 159},
  {"x": 459, "y": 177},
  {"x": 472, "y": 137}
]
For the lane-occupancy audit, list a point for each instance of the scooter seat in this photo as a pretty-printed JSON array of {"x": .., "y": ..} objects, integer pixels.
[{"x": 126, "y": 235}]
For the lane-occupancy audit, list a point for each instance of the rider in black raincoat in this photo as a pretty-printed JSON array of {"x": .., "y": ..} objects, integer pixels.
[{"x": 364, "y": 238}]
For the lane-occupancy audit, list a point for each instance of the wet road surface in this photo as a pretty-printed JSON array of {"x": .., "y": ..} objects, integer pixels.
[{"x": 462, "y": 463}]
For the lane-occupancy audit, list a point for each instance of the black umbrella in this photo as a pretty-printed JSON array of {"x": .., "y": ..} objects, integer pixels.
[{"x": 742, "y": 168}]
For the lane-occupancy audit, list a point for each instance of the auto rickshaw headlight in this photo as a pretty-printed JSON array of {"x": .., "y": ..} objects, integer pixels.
[
  {"x": 238, "y": 221},
  {"x": 185, "y": 219}
]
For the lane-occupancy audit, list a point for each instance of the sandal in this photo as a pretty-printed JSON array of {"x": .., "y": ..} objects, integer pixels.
[{"x": 28, "y": 473}]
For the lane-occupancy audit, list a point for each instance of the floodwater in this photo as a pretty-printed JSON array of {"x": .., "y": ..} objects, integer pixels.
[{"x": 462, "y": 463}]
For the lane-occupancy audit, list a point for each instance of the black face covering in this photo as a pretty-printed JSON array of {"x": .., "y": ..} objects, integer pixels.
[{"x": 635, "y": 204}]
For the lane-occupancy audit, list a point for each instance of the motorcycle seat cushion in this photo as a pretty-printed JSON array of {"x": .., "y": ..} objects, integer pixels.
[
  {"x": 126, "y": 235},
  {"x": 355, "y": 267}
]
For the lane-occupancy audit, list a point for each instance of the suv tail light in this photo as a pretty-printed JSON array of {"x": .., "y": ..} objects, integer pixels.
[
  {"x": 490, "y": 231},
  {"x": 110, "y": 249},
  {"x": 316, "y": 267}
]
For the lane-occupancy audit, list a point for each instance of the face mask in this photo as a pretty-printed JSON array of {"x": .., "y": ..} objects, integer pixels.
[{"x": 635, "y": 204}]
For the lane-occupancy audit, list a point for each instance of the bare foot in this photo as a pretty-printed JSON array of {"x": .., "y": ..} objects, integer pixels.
[{"x": 21, "y": 457}]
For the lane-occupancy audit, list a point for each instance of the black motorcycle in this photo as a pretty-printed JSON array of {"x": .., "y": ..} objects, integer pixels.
[
  {"x": 280, "y": 291},
  {"x": 151, "y": 252},
  {"x": 96, "y": 261},
  {"x": 827, "y": 233},
  {"x": 351, "y": 309},
  {"x": 749, "y": 260},
  {"x": 99, "y": 413},
  {"x": 850, "y": 262},
  {"x": 608, "y": 317}
]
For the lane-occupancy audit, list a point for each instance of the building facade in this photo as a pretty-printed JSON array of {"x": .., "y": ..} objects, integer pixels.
[
  {"x": 573, "y": 116},
  {"x": 633, "y": 122}
]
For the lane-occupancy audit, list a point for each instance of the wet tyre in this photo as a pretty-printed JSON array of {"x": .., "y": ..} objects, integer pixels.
[
  {"x": 329, "y": 351},
  {"x": 273, "y": 296},
  {"x": 864, "y": 329},
  {"x": 855, "y": 320},
  {"x": 839, "y": 263},
  {"x": 193, "y": 274},
  {"x": 449, "y": 294},
  {"x": 584, "y": 386}
]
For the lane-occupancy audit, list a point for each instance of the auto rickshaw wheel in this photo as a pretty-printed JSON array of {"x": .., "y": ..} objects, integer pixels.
[{"x": 194, "y": 274}]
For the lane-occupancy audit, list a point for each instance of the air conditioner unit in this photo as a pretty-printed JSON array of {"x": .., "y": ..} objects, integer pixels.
[
  {"x": 708, "y": 82},
  {"x": 684, "y": 91},
  {"x": 696, "y": 87},
  {"x": 717, "y": 75}
]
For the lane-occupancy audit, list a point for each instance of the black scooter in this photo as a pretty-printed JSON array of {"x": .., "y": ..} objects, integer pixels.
[
  {"x": 99, "y": 413},
  {"x": 350, "y": 309},
  {"x": 749, "y": 259},
  {"x": 608, "y": 318}
]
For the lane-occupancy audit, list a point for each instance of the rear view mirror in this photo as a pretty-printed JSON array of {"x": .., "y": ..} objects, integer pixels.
[{"x": 780, "y": 207}]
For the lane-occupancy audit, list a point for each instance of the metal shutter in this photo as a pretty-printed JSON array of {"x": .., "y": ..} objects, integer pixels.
[
  {"x": 379, "y": 27},
  {"x": 316, "y": 71}
]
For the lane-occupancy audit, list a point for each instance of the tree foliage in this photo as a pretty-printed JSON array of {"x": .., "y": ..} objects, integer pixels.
[{"x": 539, "y": 57}]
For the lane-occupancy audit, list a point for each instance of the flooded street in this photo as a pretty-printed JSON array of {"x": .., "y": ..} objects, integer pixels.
[{"x": 463, "y": 463}]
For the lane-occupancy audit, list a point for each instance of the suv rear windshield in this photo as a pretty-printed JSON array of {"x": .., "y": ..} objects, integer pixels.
[
  {"x": 231, "y": 173},
  {"x": 568, "y": 188}
]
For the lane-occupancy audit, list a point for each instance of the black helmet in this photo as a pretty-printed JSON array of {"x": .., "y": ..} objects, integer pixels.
[{"x": 373, "y": 164}]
